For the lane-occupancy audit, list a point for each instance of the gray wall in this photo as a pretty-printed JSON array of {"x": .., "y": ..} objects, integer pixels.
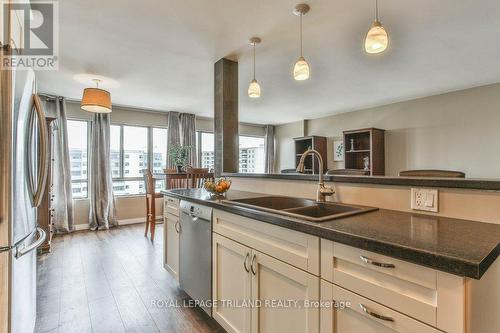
[{"x": 458, "y": 130}]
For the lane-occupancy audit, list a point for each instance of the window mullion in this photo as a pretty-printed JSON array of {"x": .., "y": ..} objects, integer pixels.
[
  {"x": 122, "y": 155},
  {"x": 150, "y": 148}
]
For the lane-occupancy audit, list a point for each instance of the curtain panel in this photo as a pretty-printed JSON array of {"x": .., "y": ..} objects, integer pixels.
[
  {"x": 270, "y": 150},
  {"x": 55, "y": 107},
  {"x": 102, "y": 213},
  {"x": 188, "y": 135},
  {"x": 173, "y": 135}
]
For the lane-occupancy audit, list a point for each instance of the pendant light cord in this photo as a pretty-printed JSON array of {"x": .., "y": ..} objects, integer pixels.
[
  {"x": 254, "y": 60},
  {"x": 301, "y": 34},
  {"x": 376, "y": 10}
]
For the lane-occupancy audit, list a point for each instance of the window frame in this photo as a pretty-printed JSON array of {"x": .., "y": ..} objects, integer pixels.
[
  {"x": 249, "y": 136},
  {"x": 122, "y": 177},
  {"x": 198, "y": 145}
]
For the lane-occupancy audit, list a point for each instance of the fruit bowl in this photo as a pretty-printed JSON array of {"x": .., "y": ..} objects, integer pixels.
[{"x": 218, "y": 186}]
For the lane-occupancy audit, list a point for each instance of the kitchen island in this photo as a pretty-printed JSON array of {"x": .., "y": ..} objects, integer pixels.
[{"x": 407, "y": 272}]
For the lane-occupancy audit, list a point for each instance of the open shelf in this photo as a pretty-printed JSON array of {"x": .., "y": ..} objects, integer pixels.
[
  {"x": 311, "y": 162},
  {"x": 365, "y": 145},
  {"x": 358, "y": 151}
]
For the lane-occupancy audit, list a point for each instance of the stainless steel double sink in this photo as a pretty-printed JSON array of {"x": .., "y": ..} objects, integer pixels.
[{"x": 306, "y": 209}]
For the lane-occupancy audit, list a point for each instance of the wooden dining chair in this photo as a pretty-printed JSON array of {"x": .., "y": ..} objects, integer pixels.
[
  {"x": 151, "y": 197},
  {"x": 174, "y": 179},
  {"x": 196, "y": 177}
]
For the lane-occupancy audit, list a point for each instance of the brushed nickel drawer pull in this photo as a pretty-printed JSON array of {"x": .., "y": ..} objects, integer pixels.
[
  {"x": 374, "y": 314},
  {"x": 176, "y": 226},
  {"x": 376, "y": 263},
  {"x": 245, "y": 263}
]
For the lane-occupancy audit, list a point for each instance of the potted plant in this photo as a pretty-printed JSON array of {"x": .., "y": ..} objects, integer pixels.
[{"x": 179, "y": 155}]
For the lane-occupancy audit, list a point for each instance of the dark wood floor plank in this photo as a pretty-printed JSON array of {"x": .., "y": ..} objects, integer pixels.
[{"x": 111, "y": 281}]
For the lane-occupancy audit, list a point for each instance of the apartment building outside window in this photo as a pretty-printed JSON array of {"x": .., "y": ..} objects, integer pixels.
[
  {"x": 78, "y": 157},
  {"x": 132, "y": 149},
  {"x": 251, "y": 152}
]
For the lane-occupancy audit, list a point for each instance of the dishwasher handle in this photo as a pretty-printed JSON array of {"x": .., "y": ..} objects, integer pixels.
[{"x": 193, "y": 217}]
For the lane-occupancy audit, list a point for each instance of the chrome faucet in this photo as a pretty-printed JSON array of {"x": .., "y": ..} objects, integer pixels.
[{"x": 323, "y": 190}]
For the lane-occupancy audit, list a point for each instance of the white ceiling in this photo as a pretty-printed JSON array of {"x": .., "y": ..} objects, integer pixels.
[{"x": 162, "y": 52}]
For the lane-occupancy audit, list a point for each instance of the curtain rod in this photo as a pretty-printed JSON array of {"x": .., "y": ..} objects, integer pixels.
[{"x": 50, "y": 97}]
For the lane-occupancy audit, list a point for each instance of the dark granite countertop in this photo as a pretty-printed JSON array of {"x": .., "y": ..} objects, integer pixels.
[
  {"x": 465, "y": 183},
  {"x": 460, "y": 247}
]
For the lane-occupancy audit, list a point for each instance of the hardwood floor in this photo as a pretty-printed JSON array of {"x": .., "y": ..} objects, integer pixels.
[{"x": 110, "y": 281}]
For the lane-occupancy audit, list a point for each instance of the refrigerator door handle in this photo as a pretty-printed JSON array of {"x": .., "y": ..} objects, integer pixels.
[
  {"x": 19, "y": 252},
  {"x": 37, "y": 193}
]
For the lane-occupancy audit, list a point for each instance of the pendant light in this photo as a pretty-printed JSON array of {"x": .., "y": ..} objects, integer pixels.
[
  {"x": 376, "y": 39},
  {"x": 301, "y": 68},
  {"x": 96, "y": 100},
  {"x": 254, "y": 87}
]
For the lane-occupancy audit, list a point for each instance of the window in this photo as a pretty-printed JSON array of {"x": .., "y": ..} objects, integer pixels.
[
  {"x": 205, "y": 148},
  {"x": 77, "y": 144},
  {"x": 135, "y": 145},
  {"x": 115, "y": 152},
  {"x": 252, "y": 154},
  {"x": 131, "y": 152},
  {"x": 159, "y": 149}
]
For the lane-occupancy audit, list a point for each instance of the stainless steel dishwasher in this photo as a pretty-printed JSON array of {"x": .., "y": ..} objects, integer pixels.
[{"x": 195, "y": 253}]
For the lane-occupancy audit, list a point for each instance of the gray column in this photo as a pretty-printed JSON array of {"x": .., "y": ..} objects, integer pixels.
[{"x": 226, "y": 116}]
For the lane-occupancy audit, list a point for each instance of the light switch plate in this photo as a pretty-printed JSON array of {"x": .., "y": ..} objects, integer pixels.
[{"x": 424, "y": 199}]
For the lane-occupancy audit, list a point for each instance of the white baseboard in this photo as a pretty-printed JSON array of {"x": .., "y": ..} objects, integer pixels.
[
  {"x": 79, "y": 227},
  {"x": 159, "y": 220}
]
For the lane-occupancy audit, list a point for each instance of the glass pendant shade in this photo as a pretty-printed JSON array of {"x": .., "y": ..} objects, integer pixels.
[
  {"x": 96, "y": 100},
  {"x": 377, "y": 39},
  {"x": 301, "y": 70},
  {"x": 254, "y": 89}
]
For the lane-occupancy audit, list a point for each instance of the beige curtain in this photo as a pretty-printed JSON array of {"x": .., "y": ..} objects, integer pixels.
[
  {"x": 102, "y": 214},
  {"x": 173, "y": 135},
  {"x": 62, "y": 204},
  {"x": 188, "y": 135},
  {"x": 269, "y": 146}
]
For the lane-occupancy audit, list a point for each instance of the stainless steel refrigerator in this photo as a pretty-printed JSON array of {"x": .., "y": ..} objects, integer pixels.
[{"x": 23, "y": 168}]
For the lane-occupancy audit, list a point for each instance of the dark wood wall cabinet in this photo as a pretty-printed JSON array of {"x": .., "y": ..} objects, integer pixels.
[
  {"x": 317, "y": 143},
  {"x": 45, "y": 212},
  {"x": 364, "y": 150}
]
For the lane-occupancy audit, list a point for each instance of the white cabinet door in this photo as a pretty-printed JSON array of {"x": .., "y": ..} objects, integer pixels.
[
  {"x": 293, "y": 247},
  {"x": 171, "y": 248},
  {"x": 274, "y": 280},
  {"x": 231, "y": 281},
  {"x": 363, "y": 315}
]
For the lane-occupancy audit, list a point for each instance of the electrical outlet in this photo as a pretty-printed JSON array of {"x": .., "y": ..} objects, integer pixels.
[{"x": 424, "y": 199}]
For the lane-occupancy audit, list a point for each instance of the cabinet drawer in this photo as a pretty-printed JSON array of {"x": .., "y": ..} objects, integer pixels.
[
  {"x": 171, "y": 206},
  {"x": 406, "y": 287},
  {"x": 293, "y": 247},
  {"x": 419, "y": 292},
  {"x": 363, "y": 315}
]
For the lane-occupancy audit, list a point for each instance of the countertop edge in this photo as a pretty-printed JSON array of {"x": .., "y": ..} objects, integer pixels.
[
  {"x": 446, "y": 264},
  {"x": 471, "y": 184}
]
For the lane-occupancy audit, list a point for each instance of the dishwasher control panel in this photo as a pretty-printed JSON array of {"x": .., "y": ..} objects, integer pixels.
[{"x": 196, "y": 210}]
